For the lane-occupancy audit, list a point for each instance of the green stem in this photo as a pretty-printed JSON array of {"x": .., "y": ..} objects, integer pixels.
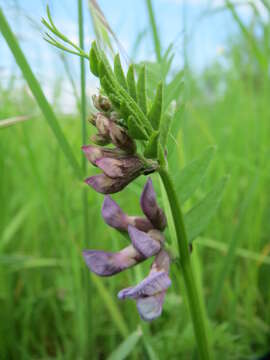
[
  {"x": 195, "y": 305},
  {"x": 84, "y": 168}
]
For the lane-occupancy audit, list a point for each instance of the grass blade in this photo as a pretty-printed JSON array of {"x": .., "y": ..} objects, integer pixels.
[
  {"x": 126, "y": 347},
  {"x": 227, "y": 263},
  {"x": 116, "y": 315},
  {"x": 13, "y": 121},
  {"x": 37, "y": 92},
  {"x": 154, "y": 29}
]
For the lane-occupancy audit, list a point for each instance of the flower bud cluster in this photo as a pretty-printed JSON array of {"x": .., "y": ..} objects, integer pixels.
[{"x": 120, "y": 165}]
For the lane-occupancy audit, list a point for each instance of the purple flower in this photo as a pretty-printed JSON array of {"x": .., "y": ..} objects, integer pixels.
[
  {"x": 150, "y": 207},
  {"x": 105, "y": 263},
  {"x": 149, "y": 293}
]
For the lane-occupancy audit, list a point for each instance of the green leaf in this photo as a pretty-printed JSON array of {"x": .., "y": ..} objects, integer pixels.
[
  {"x": 93, "y": 62},
  {"x": 165, "y": 124},
  {"x": 188, "y": 179},
  {"x": 136, "y": 131},
  {"x": 124, "y": 110},
  {"x": 141, "y": 90},
  {"x": 156, "y": 109},
  {"x": 174, "y": 127},
  {"x": 131, "y": 82},
  {"x": 119, "y": 73},
  {"x": 173, "y": 89},
  {"x": 126, "y": 347},
  {"x": 151, "y": 149},
  {"x": 200, "y": 215}
]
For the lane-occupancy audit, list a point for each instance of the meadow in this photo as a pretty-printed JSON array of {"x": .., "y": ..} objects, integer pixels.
[{"x": 51, "y": 307}]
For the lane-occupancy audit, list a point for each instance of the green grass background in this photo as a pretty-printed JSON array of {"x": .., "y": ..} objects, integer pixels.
[{"x": 44, "y": 312}]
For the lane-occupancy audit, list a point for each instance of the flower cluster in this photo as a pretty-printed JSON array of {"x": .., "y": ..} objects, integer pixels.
[
  {"x": 147, "y": 240},
  {"x": 120, "y": 165}
]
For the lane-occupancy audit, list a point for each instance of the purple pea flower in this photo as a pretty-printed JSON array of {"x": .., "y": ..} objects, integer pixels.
[{"x": 149, "y": 293}]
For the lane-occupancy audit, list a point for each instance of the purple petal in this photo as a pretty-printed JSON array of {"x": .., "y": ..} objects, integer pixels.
[
  {"x": 128, "y": 167},
  {"x": 140, "y": 223},
  {"x": 113, "y": 214},
  {"x": 105, "y": 263},
  {"x": 150, "y": 307},
  {"x": 111, "y": 167},
  {"x": 143, "y": 242},
  {"x": 105, "y": 185},
  {"x": 161, "y": 262},
  {"x": 150, "y": 207},
  {"x": 153, "y": 284},
  {"x": 92, "y": 153}
]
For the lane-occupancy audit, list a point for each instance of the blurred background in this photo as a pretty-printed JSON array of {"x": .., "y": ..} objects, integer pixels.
[{"x": 50, "y": 307}]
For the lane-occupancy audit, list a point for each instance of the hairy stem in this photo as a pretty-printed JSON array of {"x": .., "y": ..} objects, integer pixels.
[{"x": 195, "y": 305}]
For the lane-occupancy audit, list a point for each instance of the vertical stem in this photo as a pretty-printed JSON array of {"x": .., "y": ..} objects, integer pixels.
[
  {"x": 195, "y": 305},
  {"x": 84, "y": 163},
  {"x": 154, "y": 29}
]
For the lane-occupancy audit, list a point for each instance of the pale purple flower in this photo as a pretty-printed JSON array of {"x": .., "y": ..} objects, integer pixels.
[
  {"x": 150, "y": 207},
  {"x": 149, "y": 293}
]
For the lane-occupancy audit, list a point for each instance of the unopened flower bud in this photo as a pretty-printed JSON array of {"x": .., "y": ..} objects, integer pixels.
[
  {"x": 114, "y": 116},
  {"x": 120, "y": 138},
  {"x": 106, "y": 185},
  {"x": 93, "y": 153},
  {"x": 129, "y": 167},
  {"x": 101, "y": 103},
  {"x": 99, "y": 139},
  {"x": 92, "y": 119},
  {"x": 103, "y": 125}
]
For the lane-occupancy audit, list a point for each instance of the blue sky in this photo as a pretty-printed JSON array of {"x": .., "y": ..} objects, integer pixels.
[{"x": 207, "y": 35}]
